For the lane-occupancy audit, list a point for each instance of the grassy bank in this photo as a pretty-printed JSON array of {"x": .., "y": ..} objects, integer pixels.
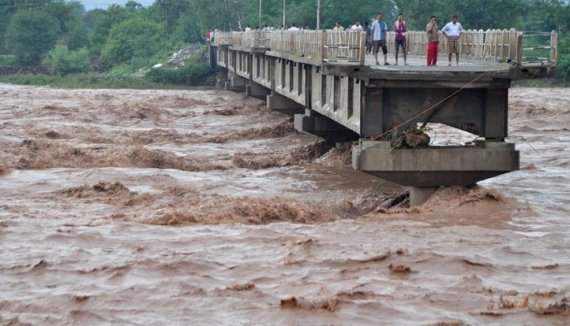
[
  {"x": 193, "y": 74},
  {"x": 89, "y": 80},
  {"x": 156, "y": 79}
]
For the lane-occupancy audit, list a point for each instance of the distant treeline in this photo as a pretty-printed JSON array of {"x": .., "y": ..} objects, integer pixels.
[{"x": 66, "y": 38}]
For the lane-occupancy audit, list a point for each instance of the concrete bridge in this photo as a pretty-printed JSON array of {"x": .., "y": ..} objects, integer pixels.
[{"x": 337, "y": 92}]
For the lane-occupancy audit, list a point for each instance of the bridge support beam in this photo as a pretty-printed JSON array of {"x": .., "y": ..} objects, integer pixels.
[
  {"x": 278, "y": 102},
  {"x": 481, "y": 109},
  {"x": 236, "y": 83},
  {"x": 255, "y": 90},
  {"x": 435, "y": 166},
  {"x": 317, "y": 124}
]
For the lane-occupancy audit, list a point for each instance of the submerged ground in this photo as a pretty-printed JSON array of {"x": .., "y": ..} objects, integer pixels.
[{"x": 195, "y": 207}]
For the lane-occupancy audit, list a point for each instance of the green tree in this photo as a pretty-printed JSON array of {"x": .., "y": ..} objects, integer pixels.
[
  {"x": 134, "y": 38},
  {"x": 65, "y": 12},
  {"x": 418, "y": 12},
  {"x": 30, "y": 35},
  {"x": 171, "y": 10},
  {"x": 112, "y": 16},
  {"x": 77, "y": 36},
  {"x": 347, "y": 13},
  {"x": 548, "y": 15},
  {"x": 92, "y": 17},
  {"x": 133, "y": 6},
  {"x": 7, "y": 9},
  {"x": 187, "y": 30},
  {"x": 489, "y": 14}
]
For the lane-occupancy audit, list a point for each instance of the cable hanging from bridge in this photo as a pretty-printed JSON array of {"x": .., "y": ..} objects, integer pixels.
[{"x": 430, "y": 108}]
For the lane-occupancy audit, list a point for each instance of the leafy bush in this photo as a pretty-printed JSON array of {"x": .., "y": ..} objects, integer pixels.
[
  {"x": 61, "y": 61},
  {"x": 27, "y": 79},
  {"x": 191, "y": 74},
  {"x": 119, "y": 73}
]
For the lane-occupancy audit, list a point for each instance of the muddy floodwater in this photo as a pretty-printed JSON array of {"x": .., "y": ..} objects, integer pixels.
[{"x": 160, "y": 207}]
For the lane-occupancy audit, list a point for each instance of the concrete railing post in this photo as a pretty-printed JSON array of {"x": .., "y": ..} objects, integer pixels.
[
  {"x": 513, "y": 45},
  {"x": 553, "y": 47},
  {"x": 519, "y": 49},
  {"x": 324, "y": 46},
  {"x": 362, "y": 48}
]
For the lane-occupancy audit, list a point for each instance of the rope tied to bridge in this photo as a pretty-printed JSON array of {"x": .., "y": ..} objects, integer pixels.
[{"x": 428, "y": 109}]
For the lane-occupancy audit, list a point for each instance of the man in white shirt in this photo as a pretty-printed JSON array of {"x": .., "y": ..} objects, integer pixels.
[
  {"x": 293, "y": 28},
  {"x": 378, "y": 33},
  {"x": 356, "y": 27},
  {"x": 453, "y": 31}
]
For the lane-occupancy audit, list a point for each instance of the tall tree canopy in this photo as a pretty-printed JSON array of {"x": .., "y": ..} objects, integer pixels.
[
  {"x": 31, "y": 34},
  {"x": 185, "y": 21}
]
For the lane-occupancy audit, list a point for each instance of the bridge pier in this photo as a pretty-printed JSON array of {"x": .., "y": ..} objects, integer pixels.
[
  {"x": 419, "y": 195},
  {"x": 317, "y": 124},
  {"x": 236, "y": 83},
  {"x": 435, "y": 166},
  {"x": 253, "y": 89},
  {"x": 278, "y": 102}
]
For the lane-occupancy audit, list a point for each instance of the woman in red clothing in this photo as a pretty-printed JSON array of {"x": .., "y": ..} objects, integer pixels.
[
  {"x": 400, "y": 30},
  {"x": 433, "y": 41}
]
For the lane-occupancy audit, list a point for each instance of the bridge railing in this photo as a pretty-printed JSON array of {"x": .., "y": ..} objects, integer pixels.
[
  {"x": 320, "y": 46},
  {"x": 307, "y": 44},
  {"x": 540, "y": 48},
  {"x": 489, "y": 45},
  {"x": 344, "y": 46},
  {"x": 349, "y": 47}
]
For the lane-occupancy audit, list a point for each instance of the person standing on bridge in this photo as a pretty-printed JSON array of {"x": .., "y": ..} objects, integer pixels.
[
  {"x": 368, "y": 40},
  {"x": 378, "y": 31},
  {"x": 356, "y": 27},
  {"x": 433, "y": 41},
  {"x": 338, "y": 27},
  {"x": 400, "y": 30},
  {"x": 453, "y": 31},
  {"x": 293, "y": 28}
]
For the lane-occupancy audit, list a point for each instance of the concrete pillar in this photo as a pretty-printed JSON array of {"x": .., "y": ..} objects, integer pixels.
[
  {"x": 256, "y": 90},
  {"x": 213, "y": 58},
  {"x": 317, "y": 124},
  {"x": 236, "y": 83},
  {"x": 304, "y": 123},
  {"x": 496, "y": 107},
  {"x": 419, "y": 195},
  {"x": 278, "y": 102},
  {"x": 371, "y": 112}
]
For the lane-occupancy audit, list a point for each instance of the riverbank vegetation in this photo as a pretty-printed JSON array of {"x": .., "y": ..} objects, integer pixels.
[{"x": 59, "y": 43}]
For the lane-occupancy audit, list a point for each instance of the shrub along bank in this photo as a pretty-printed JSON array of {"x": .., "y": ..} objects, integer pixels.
[{"x": 71, "y": 69}]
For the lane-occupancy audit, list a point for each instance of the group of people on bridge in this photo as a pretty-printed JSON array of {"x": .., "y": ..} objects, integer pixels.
[{"x": 376, "y": 38}]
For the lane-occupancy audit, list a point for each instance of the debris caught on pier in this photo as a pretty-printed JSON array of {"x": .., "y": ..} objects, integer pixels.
[{"x": 410, "y": 138}]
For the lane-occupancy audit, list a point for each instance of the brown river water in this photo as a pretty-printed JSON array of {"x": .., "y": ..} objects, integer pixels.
[{"x": 153, "y": 207}]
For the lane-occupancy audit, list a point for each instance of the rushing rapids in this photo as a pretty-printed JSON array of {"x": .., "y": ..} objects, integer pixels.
[{"x": 124, "y": 206}]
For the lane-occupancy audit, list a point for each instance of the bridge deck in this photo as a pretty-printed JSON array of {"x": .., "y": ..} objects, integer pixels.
[
  {"x": 417, "y": 64},
  {"x": 417, "y": 69}
]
